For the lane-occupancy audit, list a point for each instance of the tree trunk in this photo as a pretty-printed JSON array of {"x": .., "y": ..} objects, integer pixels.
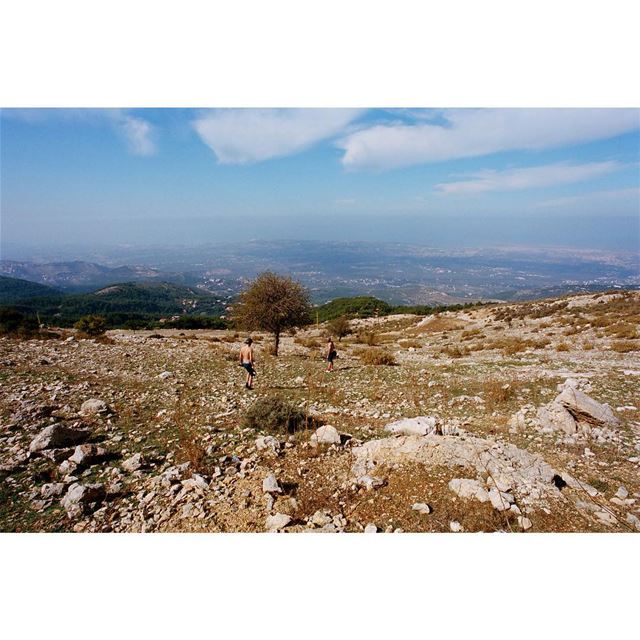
[{"x": 277, "y": 334}]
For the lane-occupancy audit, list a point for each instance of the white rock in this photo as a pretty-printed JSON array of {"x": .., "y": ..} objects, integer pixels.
[
  {"x": 321, "y": 518},
  {"x": 634, "y": 521},
  {"x": 56, "y": 436},
  {"x": 277, "y": 521},
  {"x": 468, "y": 488},
  {"x": 421, "y": 507},
  {"x": 270, "y": 484},
  {"x": 52, "y": 490},
  {"x": 326, "y": 434},
  {"x": 500, "y": 500},
  {"x": 554, "y": 416},
  {"x": 370, "y": 482},
  {"x": 79, "y": 496},
  {"x": 371, "y": 528},
  {"x": 269, "y": 443},
  {"x": 94, "y": 406},
  {"x": 524, "y": 523},
  {"x": 88, "y": 454},
  {"x": 420, "y": 426},
  {"x": 165, "y": 374},
  {"x": 455, "y": 526}
]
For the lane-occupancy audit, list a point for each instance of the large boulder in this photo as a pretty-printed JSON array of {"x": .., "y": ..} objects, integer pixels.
[
  {"x": 133, "y": 463},
  {"x": 420, "y": 426},
  {"x": 58, "y": 436},
  {"x": 277, "y": 522},
  {"x": 585, "y": 409}
]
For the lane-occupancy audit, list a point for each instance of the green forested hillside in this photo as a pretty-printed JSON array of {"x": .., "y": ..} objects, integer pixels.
[{"x": 15, "y": 290}]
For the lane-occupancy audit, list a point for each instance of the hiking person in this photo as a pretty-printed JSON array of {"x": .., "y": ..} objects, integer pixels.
[
  {"x": 331, "y": 354},
  {"x": 246, "y": 361}
]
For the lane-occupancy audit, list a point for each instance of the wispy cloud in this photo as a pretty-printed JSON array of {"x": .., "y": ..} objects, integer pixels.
[
  {"x": 244, "y": 136},
  {"x": 137, "y": 132},
  {"x": 528, "y": 177},
  {"x": 613, "y": 201},
  {"x": 471, "y": 133}
]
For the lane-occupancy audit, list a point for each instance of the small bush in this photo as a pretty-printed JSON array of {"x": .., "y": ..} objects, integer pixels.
[
  {"x": 277, "y": 415},
  {"x": 368, "y": 337},
  {"x": 91, "y": 325},
  {"x": 454, "y": 351},
  {"x": 340, "y": 327},
  {"x": 309, "y": 343},
  {"x": 587, "y": 345},
  {"x": 562, "y": 346},
  {"x": 407, "y": 344},
  {"x": 376, "y": 357}
]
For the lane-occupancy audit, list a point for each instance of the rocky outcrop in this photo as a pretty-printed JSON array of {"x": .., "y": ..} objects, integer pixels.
[{"x": 58, "y": 436}]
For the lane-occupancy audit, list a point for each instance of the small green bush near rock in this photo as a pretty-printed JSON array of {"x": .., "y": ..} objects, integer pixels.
[{"x": 277, "y": 415}]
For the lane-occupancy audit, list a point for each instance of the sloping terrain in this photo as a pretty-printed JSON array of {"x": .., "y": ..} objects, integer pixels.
[{"x": 529, "y": 421}]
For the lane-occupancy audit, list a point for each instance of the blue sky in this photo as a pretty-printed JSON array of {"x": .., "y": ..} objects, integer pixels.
[{"x": 163, "y": 175}]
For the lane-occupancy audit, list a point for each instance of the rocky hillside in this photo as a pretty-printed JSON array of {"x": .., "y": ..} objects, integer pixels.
[{"x": 516, "y": 417}]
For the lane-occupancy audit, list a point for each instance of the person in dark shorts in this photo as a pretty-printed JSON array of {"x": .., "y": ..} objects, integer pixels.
[
  {"x": 246, "y": 360},
  {"x": 331, "y": 354}
]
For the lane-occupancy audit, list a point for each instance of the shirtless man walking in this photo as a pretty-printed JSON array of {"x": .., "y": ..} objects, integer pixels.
[{"x": 246, "y": 360}]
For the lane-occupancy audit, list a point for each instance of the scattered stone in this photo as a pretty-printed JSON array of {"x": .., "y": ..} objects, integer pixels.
[
  {"x": 134, "y": 463},
  {"x": 165, "y": 374},
  {"x": 94, "y": 406},
  {"x": 622, "y": 492},
  {"x": 421, "y": 507},
  {"x": 371, "y": 528},
  {"x": 88, "y": 454},
  {"x": 80, "y": 497},
  {"x": 555, "y": 416},
  {"x": 277, "y": 522},
  {"x": 268, "y": 443},
  {"x": 270, "y": 484},
  {"x": 56, "y": 436},
  {"x": 321, "y": 518},
  {"x": 634, "y": 521},
  {"x": 524, "y": 523},
  {"x": 585, "y": 408},
  {"x": 455, "y": 526},
  {"x": 326, "y": 434},
  {"x": 370, "y": 482},
  {"x": 52, "y": 490}
]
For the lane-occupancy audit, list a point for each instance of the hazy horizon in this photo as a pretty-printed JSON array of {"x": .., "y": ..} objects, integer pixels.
[{"x": 436, "y": 177}]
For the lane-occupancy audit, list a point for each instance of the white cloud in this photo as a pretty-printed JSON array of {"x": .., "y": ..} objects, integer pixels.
[
  {"x": 529, "y": 177},
  {"x": 481, "y": 132},
  {"x": 612, "y": 202},
  {"x": 137, "y": 132},
  {"x": 243, "y": 136}
]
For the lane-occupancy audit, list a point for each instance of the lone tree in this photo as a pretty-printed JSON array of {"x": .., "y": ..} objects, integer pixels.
[
  {"x": 339, "y": 327},
  {"x": 272, "y": 303}
]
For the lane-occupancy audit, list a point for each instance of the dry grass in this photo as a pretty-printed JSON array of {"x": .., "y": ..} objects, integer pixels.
[
  {"x": 407, "y": 344},
  {"x": 454, "y": 351},
  {"x": 375, "y": 356},
  {"x": 625, "y": 346},
  {"x": 587, "y": 345},
  {"x": 439, "y": 324},
  {"x": 309, "y": 343},
  {"x": 562, "y": 346}
]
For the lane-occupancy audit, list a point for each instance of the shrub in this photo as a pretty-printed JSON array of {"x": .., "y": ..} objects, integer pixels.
[
  {"x": 407, "y": 344},
  {"x": 587, "y": 345},
  {"x": 277, "y": 415},
  {"x": 497, "y": 392},
  {"x": 454, "y": 351},
  {"x": 91, "y": 325},
  {"x": 309, "y": 343},
  {"x": 562, "y": 346},
  {"x": 376, "y": 357},
  {"x": 369, "y": 337}
]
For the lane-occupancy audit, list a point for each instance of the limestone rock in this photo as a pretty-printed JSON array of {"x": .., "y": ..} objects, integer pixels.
[
  {"x": 622, "y": 492},
  {"x": 370, "y": 482},
  {"x": 524, "y": 523},
  {"x": 420, "y": 426},
  {"x": 56, "y": 436},
  {"x": 371, "y": 528},
  {"x": 468, "y": 488},
  {"x": 554, "y": 416},
  {"x": 52, "y": 490},
  {"x": 165, "y": 374},
  {"x": 455, "y": 526},
  {"x": 326, "y": 434}
]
